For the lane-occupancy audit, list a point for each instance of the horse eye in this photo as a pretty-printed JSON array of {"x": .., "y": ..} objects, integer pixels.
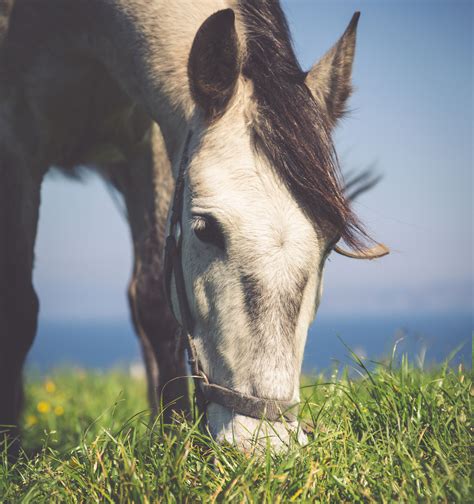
[{"x": 208, "y": 230}]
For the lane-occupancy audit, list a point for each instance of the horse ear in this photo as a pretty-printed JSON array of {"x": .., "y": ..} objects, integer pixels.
[
  {"x": 330, "y": 79},
  {"x": 214, "y": 63}
]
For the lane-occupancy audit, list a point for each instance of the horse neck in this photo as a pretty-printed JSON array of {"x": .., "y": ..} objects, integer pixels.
[{"x": 145, "y": 46}]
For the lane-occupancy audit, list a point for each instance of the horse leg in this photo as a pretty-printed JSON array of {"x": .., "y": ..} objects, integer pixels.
[
  {"x": 163, "y": 352},
  {"x": 19, "y": 202},
  {"x": 146, "y": 182}
]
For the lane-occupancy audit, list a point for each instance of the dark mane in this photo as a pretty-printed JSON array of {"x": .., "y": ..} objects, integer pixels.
[{"x": 291, "y": 129}]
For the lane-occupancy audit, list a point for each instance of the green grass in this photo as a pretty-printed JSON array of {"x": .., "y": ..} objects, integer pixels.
[{"x": 389, "y": 435}]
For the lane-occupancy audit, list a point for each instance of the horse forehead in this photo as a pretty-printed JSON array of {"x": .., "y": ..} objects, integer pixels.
[
  {"x": 264, "y": 220},
  {"x": 279, "y": 247},
  {"x": 243, "y": 189}
]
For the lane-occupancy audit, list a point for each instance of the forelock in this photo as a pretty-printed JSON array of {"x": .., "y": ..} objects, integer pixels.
[{"x": 289, "y": 127}]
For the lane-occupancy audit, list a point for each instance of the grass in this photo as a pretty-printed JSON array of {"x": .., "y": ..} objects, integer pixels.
[{"x": 387, "y": 435}]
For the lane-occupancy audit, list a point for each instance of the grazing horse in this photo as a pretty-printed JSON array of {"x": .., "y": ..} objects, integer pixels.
[{"x": 210, "y": 94}]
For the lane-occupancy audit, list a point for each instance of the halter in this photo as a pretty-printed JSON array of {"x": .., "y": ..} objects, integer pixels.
[{"x": 248, "y": 405}]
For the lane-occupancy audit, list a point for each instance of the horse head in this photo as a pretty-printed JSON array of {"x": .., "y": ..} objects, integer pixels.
[{"x": 259, "y": 207}]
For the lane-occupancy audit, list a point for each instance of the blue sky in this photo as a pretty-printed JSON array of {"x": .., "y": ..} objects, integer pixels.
[{"x": 411, "y": 116}]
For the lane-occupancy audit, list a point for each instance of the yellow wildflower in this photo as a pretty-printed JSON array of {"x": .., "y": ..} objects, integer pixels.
[
  {"x": 59, "y": 410},
  {"x": 31, "y": 420},
  {"x": 50, "y": 387},
  {"x": 43, "y": 407}
]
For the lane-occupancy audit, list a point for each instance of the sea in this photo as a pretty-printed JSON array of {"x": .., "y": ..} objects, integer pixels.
[{"x": 333, "y": 342}]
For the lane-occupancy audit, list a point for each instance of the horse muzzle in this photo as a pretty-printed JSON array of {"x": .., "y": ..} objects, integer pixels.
[{"x": 248, "y": 434}]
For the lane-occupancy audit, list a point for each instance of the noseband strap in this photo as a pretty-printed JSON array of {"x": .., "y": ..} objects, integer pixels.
[
  {"x": 248, "y": 405},
  {"x": 251, "y": 406}
]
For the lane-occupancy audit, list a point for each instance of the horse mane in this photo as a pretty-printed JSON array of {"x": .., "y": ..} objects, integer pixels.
[{"x": 290, "y": 127}]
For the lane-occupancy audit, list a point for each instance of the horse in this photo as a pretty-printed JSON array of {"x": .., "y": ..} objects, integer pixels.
[{"x": 207, "y": 101}]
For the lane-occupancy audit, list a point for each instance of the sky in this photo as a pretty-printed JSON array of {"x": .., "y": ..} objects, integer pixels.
[{"x": 411, "y": 116}]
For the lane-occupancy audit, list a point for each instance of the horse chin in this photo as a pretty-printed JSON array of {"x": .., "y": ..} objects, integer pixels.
[{"x": 250, "y": 434}]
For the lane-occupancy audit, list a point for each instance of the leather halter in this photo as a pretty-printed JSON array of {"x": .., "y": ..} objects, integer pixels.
[{"x": 251, "y": 406}]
